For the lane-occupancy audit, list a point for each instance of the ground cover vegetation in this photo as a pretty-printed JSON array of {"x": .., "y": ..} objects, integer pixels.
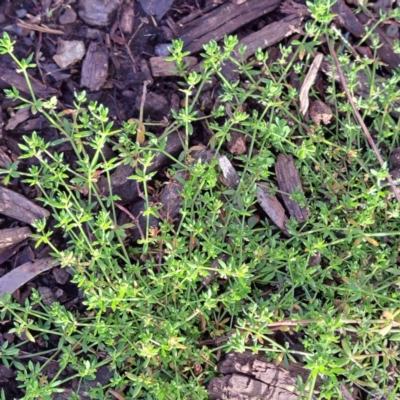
[{"x": 147, "y": 315}]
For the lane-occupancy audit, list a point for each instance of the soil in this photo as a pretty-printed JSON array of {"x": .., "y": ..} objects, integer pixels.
[{"x": 110, "y": 61}]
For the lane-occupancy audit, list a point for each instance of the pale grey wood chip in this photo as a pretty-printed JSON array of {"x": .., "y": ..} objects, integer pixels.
[
  {"x": 308, "y": 82},
  {"x": 19, "y": 116},
  {"x": 272, "y": 207},
  {"x": 9, "y": 237},
  {"x": 18, "y": 207},
  {"x": 12, "y": 281},
  {"x": 231, "y": 177}
]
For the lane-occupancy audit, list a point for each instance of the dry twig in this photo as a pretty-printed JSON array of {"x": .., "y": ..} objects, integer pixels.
[{"x": 360, "y": 120}]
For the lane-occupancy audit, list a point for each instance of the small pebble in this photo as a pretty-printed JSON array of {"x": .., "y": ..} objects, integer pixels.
[
  {"x": 67, "y": 17},
  {"x": 48, "y": 297},
  {"x": 392, "y": 31},
  {"x": 21, "y": 13},
  {"x": 161, "y": 50}
]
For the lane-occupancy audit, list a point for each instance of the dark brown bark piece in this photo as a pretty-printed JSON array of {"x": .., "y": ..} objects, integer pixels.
[
  {"x": 161, "y": 67},
  {"x": 347, "y": 19},
  {"x": 127, "y": 189},
  {"x": 271, "y": 34},
  {"x": 155, "y": 106},
  {"x": 315, "y": 259},
  {"x": 395, "y": 158},
  {"x": 171, "y": 198},
  {"x": 12, "y": 78},
  {"x": 288, "y": 181},
  {"x": 145, "y": 69},
  {"x": 61, "y": 276},
  {"x": 222, "y": 21},
  {"x": 19, "y": 116},
  {"x": 272, "y": 207},
  {"x": 319, "y": 111},
  {"x": 10, "y": 282},
  {"x": 214, "y": 269},
  {"x": 137, "y": 211},
  {"x": 95, "y": 67},
  {"x": 390, "y": 59},
  {"x": 4, "y": 158},
  {"x": 47, "y": 295},
  {"x": 98, "y": 12},
  {"x": 12, "y": 236},
  {"x": 18, "y": 207},
  {"x": 237, "y": 143}
]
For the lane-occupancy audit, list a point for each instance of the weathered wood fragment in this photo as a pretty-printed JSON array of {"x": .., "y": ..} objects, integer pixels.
[
  {"x": 320, "y": 112},
  {"x": 19, "y": 116},
  {"x": 11, "y": 236},
  {"x": 197, "y": 13},
  {"x": 347, "y": 19},
  {"x": 98, "y": 12},
  {"x": 127, "y": 17},
  {"x": 272, "y": 207},
  {"x": 12, "y": 78},
  {"x": 61, "y": 275},
  {"x": 127, "y": 189},
  {"x": 241, "y": 387},
  {"x": 158, "y": 8},
  {"x": 171, "y": 198},
  {"x": 17, "y": 206},
  {"x": 95, "y": 67},
  {"x": 237, "y": 143},
  {"x": 230, "y": 176},
  {"x": 250, "y": 377},
  {"x": 4, "y": 158},
  {"x": 155, "y": 106},
  {"x": 222, "y": 21},
  {"x": 289, "y": 181},
  {"x": 161, "y": 67},
  {"x": 69, "y": 52},
  {"x": 10, "y": 282},
  {"x": 308, "y": 81},
  {"x": 144, "y": 68},
  {"x": 271, "y": 34}
]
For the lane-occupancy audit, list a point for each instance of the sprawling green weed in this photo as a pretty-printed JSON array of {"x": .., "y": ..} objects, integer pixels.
[{"x": 147, "y": 312}]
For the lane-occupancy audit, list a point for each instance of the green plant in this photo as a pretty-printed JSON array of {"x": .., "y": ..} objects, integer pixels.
[{"x": 146, "y": 311}]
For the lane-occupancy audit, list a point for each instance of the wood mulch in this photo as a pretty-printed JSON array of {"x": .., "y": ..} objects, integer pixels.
[{"x": 110, "y": 49}]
